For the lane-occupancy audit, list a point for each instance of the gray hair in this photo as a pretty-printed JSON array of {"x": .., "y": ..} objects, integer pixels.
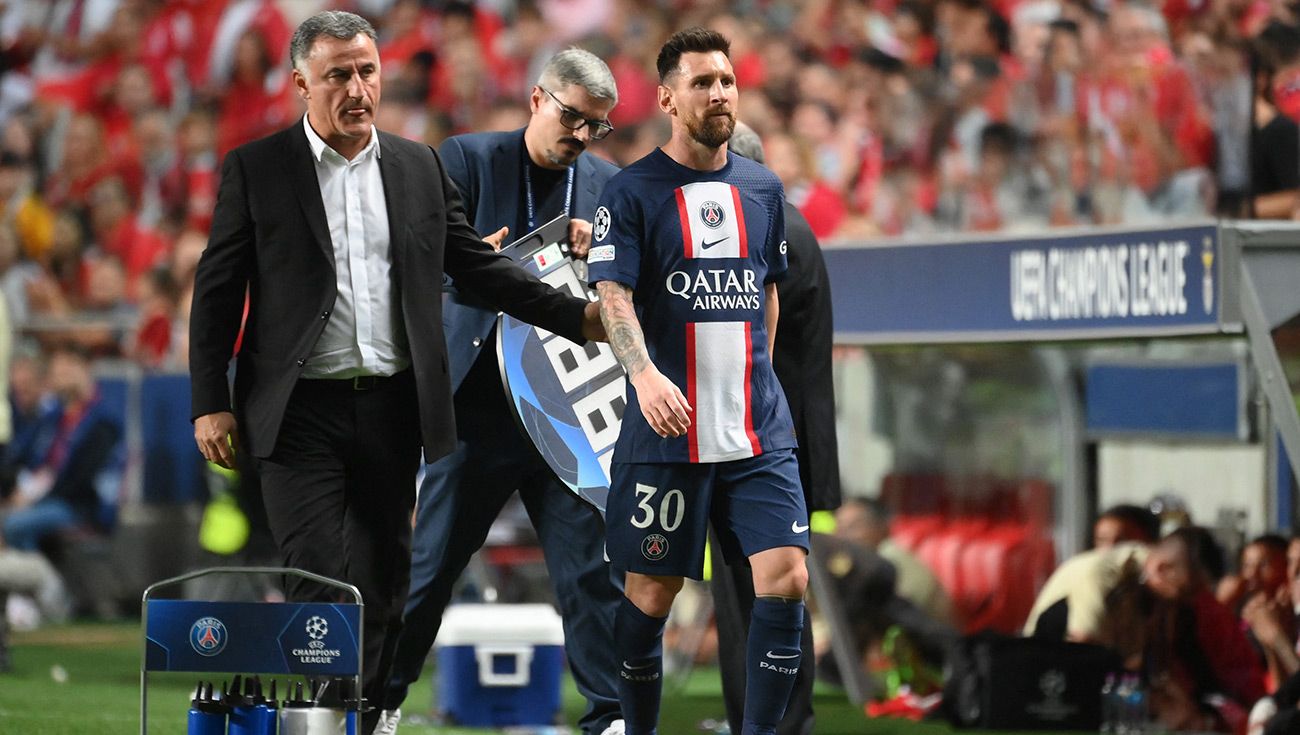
[
  {"x": 339, "y": 24},
  {"x": 583, "y": 68},
  {"x": 745, "y": 142}
]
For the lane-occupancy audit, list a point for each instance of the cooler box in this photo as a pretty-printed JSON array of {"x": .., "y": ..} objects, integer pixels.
[{"x": 500, "y": 665}]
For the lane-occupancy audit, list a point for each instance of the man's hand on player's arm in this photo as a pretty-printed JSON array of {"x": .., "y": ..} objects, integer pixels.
[
  {"x": 772, "y": 313},
  {"x": 579, "y": 237},
  {"x": 662, "y": 402},
  {"x": 215, "y": 433}
]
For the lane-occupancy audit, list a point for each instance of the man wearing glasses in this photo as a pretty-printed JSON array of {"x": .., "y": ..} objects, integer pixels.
[{"x": 511, "y": 184}]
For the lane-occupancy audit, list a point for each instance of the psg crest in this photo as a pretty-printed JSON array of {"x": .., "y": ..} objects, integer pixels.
[
  {"x": 712, "y": 214},
  {"x": 569, "y": 399}
]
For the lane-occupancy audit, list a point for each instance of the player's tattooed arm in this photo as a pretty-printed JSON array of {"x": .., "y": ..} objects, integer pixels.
[
  {"x": 662, "y": 402},
  {"x": 625, "y": 335}
]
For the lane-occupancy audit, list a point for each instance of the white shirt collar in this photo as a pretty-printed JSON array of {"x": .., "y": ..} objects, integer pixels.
[{"x": 318, "y": 144}]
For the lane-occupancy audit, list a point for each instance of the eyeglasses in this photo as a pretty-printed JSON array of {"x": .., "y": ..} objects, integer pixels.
[{"x": 573, "y": 120}]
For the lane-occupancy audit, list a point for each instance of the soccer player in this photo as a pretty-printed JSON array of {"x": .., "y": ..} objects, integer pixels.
[{"x": 688, "y": 243}]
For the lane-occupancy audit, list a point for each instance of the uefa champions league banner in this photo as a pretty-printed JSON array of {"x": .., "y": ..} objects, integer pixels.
[
  {"x": 569, "y": 399},
  {"x": 1076, "y": 286},
  {"x": 311, "y": 638}
]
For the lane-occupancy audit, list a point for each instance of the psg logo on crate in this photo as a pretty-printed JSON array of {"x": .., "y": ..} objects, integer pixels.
[
  {"x": 712, "y": 214},
  {"x": 208, "y": 636},
  {"x": 654, "y": 547}
]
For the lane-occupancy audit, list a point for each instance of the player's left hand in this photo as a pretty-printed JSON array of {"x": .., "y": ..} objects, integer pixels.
[
  {"x": 579, "y": 237},
  {"x": 592, "y": 327}
]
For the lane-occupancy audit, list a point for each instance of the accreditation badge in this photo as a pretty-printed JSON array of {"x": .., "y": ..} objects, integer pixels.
[{"x": 569, "y": 399}]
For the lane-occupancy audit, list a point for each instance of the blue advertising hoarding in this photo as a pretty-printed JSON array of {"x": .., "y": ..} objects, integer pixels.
[
  {"x": 310, "y": 638},
  {"x": 1088, "y": 285}
]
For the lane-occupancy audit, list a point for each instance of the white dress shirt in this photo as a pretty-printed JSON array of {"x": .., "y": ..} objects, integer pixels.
[{"x": 364, "y": 334}]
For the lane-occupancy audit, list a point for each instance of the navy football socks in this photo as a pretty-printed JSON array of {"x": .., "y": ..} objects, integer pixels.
[
  {"x": 773, "y": 656},
  {"x": 639, "y": 641}
]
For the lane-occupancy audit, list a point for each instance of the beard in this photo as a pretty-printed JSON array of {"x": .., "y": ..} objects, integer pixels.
[{"x": 713, "y": 130}]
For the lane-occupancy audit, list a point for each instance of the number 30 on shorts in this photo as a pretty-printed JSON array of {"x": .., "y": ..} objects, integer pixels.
[{"x": 671, "y": 508}]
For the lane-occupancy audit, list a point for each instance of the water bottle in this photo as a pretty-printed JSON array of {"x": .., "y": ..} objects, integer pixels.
[
  {"x": 1123, "y": 717},
  {"x": 207, "y": 715},
  {"x": 1109, "y": 710},
  {"x": 272, "y": 714},
  {"x": 1137, "y": 698},
  {"x": 249, "y": 714},
  {"x": 295, "y": 712},
  {"x": 333, "y": 711}
]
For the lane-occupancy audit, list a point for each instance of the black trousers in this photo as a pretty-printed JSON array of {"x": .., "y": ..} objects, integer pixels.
[
  {"x": 339, "y": 489},
  {"x": 733, "y": 600}
]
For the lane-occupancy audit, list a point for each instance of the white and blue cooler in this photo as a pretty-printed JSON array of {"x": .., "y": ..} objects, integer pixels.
[{"x": 500, "y": 665}]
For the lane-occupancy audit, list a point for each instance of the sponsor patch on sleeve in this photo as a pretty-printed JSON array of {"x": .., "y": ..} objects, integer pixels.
[{"x": 600, "y": 254}]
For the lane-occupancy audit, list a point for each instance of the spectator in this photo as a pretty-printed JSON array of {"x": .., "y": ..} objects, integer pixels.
[
  {"x": 866, "y": 522},
  {"x": 1275, "y": 139},
  {"x": 21, "y": 207},
  {"x": 1202, "y": 671},
  {"x": 64, "y": 491},
  {"x": 1072, "y": 603},
  {"x": 1262, "y": 568},
  {"x": 1121, "y": 523}
]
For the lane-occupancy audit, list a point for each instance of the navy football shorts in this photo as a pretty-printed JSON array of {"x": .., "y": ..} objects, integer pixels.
[{"x": 657, "y": 516}]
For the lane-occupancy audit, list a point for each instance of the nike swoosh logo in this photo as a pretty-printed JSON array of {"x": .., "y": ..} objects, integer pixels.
[
  {"x": 705, "y": 244},
  {"x": 637, "y": 668},
  {"x": 798, "y": 528},
  {"x": 793, "y": 655}
]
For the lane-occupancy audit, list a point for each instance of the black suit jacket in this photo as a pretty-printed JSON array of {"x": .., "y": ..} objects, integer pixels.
[
  {"x": 270, "y": 236},
  {"x": 802, "y": 360},
  {"x": 487, "y": 169}
]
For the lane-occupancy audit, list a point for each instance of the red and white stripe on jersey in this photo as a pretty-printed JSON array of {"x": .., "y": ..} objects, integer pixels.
[
  {"x": 713, "y": 222},
  {"x": 719, "y": 362}
]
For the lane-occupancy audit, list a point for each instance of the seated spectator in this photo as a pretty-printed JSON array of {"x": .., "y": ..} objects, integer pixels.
[
  {"x": 64, "y": 491},
  {"x": 154, "y": 339},
  {"x": 866, "y": 522},
  {"x": 21, "y": 207},
  {"x": 1072, "y": 603},
  {"x": 1262, "y": 568},
  {"x": 36, "y": 413},
  {"x": 1202, "y": 673},
  {"x": 865, "y": 586}
]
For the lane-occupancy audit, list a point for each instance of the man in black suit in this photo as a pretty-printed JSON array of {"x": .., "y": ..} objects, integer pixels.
[
  {"x": 514, "y": 182},
  {"x": 340, "y": 234},
  {"x": 802, "y": 360}
]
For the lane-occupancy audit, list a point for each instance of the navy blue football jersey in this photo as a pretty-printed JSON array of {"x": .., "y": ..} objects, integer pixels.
[{"x": 697, "y": 248}]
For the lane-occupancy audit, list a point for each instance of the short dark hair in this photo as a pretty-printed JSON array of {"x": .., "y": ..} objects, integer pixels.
[
  {"x": 1271, "y": 541},
  {"x": 1203, "y": 550},
  {"x": 1142, "y": 519},
  {"x": 689, "y": 41}
]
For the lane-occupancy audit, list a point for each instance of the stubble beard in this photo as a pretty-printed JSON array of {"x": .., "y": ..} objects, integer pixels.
[{"x": 712, "y": 131}]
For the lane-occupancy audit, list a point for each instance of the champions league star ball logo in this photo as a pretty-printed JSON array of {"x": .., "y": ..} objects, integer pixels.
[
  {"x": 654, "y": 547},
  {"x": 600, "y": 227},
  {"x": 712, "y": 215},
  {"x": 208, "y": 636},
  {"x": 317, "y": 627}
]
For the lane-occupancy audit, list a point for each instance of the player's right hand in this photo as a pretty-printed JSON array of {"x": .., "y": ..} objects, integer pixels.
[
  {"x": 662, "y": 403},
  {"x": 215, "y": 434}
]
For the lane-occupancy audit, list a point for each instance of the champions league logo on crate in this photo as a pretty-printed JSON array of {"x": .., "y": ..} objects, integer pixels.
[
  {"x": 208, "y": 636},
  {"x": 315, "y": 652}
]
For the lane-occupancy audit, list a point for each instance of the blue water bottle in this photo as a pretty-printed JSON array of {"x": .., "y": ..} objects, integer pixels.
[
  {"x": 207, "y": 715},
  {"x": 249, "y": 714}
]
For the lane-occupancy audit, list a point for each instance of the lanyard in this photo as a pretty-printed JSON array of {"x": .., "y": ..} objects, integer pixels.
[{"x": 528, "y": 193}]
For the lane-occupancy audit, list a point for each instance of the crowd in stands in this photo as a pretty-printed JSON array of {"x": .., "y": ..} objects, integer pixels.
[{"x": 890, "y": 117}]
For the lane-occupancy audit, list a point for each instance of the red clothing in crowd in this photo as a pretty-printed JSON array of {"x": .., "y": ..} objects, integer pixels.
[
  {"x": 821, "y": 205},
  {"x": 139, "y": 248}
]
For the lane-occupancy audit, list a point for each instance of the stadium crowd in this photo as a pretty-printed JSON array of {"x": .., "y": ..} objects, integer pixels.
[{"x": 882, "y": 118}]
